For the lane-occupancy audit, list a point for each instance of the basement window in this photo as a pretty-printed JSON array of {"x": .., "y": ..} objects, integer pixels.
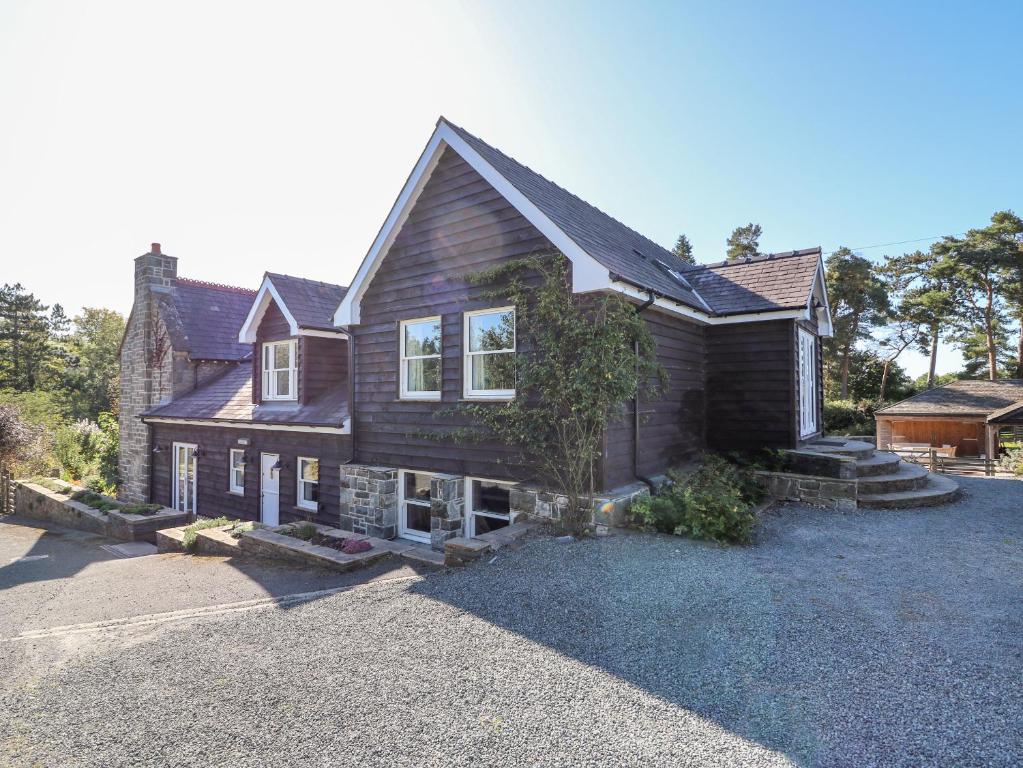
[
  {"x": 279, "y": 370},
  {"x": 488, "y": 503}
]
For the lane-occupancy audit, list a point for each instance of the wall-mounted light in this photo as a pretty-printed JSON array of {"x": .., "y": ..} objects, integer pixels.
[
  {"x": 197, "y": 451},
  {"x": 276, "y": 467},
  {"x": 157, "y": 449},
  {"x": 245, "y": 460}
]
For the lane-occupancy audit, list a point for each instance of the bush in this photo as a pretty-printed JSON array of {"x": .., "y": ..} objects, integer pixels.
[
  {"x": 847, "y": 417},
  {"x": 95, "y": 500},
  {"x": 87, "y": 453},
  {"x": 304, "y": 531},
  {"x": 712, "y": 503},
  {"x": 1012, "y": 461},
  {"x": 189, "y": 537},
  {"x": 141, "y": 509}
]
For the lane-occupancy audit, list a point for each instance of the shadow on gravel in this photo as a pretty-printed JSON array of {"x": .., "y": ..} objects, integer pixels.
[{"x": 882, "y": 637}]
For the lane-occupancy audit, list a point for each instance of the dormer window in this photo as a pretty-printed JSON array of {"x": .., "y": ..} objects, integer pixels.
[{"x": 279, "y": 371}]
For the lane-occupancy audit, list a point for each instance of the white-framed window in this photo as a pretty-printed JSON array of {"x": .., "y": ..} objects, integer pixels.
[
  {"x": 236, "y": 472},
  {"x": 414, "y": 505},
  {"x": 420, "y": 358},
  {"x": 280, "y": 379},
  {"x": 807, "y": 383},
  {"x": 488, "y": 505},
  {"x": 489, "y": 364},
  {"x": 308, "y": 483}
]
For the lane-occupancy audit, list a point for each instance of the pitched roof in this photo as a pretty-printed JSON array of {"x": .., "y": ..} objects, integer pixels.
[
  {"x": 203, "y": 318},
  {"x": 760, "y": 284},
  {"x": 310, "y": 302},
  {"x": 228, "y": 398},
  {"x": 965, "y": 397},
  {"x": 619, "y": 248}
]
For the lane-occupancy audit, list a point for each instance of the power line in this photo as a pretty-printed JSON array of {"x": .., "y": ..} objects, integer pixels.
[{"x": 901, "y": 242}]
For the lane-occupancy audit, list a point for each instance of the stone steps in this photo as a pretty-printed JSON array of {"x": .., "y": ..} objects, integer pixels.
[
  {"x": 881, "y": 463},
  {"x": 908, "y": 477},
  {"x": 856, "y": 449},
  {"x": 937, "y": 490}
]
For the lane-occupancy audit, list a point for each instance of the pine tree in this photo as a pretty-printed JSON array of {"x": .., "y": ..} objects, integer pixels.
[
  {"x": 744, "y": 241},
  {"x": 25, "y": 348},
  {"x": 684, "y": 250}
]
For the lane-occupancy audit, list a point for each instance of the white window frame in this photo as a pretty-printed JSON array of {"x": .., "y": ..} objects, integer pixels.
[
  {"x": 406, "y": 393},
  {"x": 270, "y": 380},
  {"x": 471, "y": 512},
  {"x": 410, "y": 533},
  {"x": 300, "y": 502},
  {"x": 232, "y": 487},
  {"x": 807, "y": 383},
  {"x": 484, "y": 394}
]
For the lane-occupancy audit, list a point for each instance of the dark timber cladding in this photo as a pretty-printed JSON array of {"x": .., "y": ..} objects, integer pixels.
[
  {"x": 459, "y": 224},
  {"x": 671, "y": 427},
  {"x": 751, "y": 396},
  {"x": 215, "y": 442}
]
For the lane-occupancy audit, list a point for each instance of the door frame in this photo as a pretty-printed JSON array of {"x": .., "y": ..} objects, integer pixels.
[
  {"x": 806, "y": 352},
  {"x": 404, "y": 532},
  {"x": 194, "y": 462},
  {"x": 261, "y": 489}
]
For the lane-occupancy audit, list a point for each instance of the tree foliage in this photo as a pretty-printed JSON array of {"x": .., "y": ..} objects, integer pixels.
[
  {"x": 744, "y": 241},
  {"x": 575, "y": 367},
  {"x": 684, "y": 250},
  {"x": 93, "y": 365}
]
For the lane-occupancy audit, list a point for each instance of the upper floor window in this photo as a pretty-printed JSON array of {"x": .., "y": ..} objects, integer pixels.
[
  {"x": 490, "y": 353},
  {"x": 279, "y": 371},
  {"x": 308, "y": 483},
  {"x": 420, "y": 358}
]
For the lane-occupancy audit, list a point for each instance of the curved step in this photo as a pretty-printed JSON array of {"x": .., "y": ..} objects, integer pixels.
[
  {"x": 881, "y": 463},
  {"x": 857, "y": 449},
  {"x": 908, "y": 477},
  {"x": 938, "y": 490}
]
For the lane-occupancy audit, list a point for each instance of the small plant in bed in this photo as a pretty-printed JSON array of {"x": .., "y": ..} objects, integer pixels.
[
  {"x": 715, "y": 502},
  {"x": 237, "y": 531},
  {"x": 95, "y": 500},
  {"x": 189, "y": 534},
  {"x": 141, "y": 509},
  {"x": 309, "y": 532},
  {"x": 52, "y": 484}
]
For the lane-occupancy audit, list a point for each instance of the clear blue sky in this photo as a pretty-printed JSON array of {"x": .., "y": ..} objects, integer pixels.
[{"x": 251, "y": 136}]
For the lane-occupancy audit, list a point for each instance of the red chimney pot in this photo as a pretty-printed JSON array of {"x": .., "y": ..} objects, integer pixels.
[{"x": 155, "y": 249}]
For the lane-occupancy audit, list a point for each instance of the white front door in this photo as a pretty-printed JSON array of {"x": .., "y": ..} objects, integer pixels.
[
  {"x": 269, "y": 489},
  {"x": 184, "y": 477},
  {"x": 807, "y": 384}
]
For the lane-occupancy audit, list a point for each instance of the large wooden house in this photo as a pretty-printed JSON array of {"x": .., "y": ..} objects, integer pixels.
[{"x": 304, "y": 399}]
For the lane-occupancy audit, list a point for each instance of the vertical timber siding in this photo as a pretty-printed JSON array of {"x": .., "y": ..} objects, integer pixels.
[{"x": 459, "y": 224}]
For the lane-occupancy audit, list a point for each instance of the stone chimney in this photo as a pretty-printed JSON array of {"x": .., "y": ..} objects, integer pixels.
[{"x": 143, "y": 379}]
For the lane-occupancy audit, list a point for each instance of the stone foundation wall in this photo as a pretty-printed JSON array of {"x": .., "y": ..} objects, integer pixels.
[
  {"x": 831, "y": 492},
  {"x": 369, "y": 500}
]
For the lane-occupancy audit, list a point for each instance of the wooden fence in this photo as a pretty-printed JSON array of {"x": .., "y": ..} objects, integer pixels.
[{"x": 6, "y": 492}]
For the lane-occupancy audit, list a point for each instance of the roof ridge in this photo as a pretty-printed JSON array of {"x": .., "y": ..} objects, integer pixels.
[
  {"x": 306, "y": 279},
  {"x": 758, "y": 259},
  {"x": 563, "y": 189},
  {"x": 218, "y": 286}
]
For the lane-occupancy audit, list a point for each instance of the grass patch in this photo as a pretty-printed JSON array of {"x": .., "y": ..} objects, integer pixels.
[
  {"x": 189, "y": 537},
  {"x": 141, "y": 509},
  {"x": 52, "y": 484},
  {"x": 95, "y": 500}
]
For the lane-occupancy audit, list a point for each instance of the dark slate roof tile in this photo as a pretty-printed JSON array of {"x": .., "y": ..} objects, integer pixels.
[
  {"x": 203, "y": 319},
  {"x": 310, "y": 302},
  {"x": 229, "y": 398},
  {"x": 761, "y": 284},
  {"x": 966, "y": 397}
]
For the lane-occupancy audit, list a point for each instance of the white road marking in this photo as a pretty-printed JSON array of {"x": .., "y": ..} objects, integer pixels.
[{"x": 193, "y": 613}]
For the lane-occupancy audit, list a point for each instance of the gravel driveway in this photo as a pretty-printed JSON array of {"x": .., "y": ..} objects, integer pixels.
[{"x": 877, "y": 638}]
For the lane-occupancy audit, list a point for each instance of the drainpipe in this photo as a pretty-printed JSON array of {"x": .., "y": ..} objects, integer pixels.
[
  {"x": 351, "y": 393},
  {"x": 635, "y": 402}
]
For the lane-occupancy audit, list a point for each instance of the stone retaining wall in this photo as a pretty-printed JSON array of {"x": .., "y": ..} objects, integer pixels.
[{"x": 831, "y": 492}]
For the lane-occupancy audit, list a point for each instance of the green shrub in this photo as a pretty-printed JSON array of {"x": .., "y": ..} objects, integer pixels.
[
  {"x": 712, "y": 503},
  {"x": 141, "y": 509},
  {"x": 1012, "y": 461},
  {"x": 189, "y": 537},
  {"x": 304, "y": 531},
  {"x": 95, "y": 500},
  {"x": 847, "y": 417},
  {"x": 241, "y": 528},
  {"x": 52, "y": 484}
]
